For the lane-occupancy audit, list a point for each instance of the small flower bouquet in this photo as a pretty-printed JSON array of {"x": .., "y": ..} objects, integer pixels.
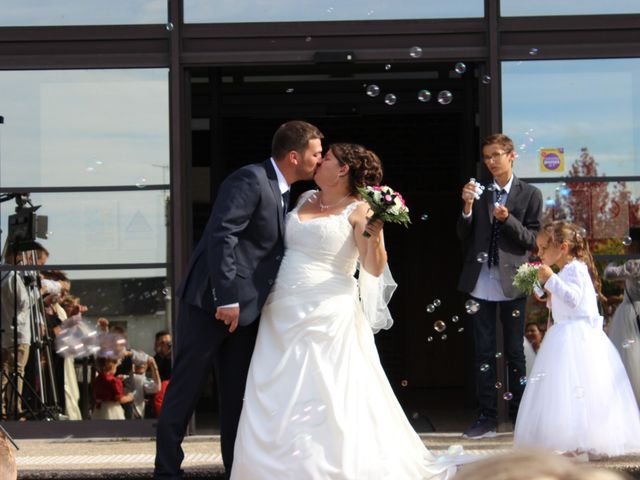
[
  {"x": 526, "y": 279},
  {"x": 386, "y": 204}
]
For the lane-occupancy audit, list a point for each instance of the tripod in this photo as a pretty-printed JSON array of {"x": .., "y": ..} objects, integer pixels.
[{"x": 28, "y": 311}]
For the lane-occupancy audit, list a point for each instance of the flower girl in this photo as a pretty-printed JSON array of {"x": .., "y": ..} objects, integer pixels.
[{"x": 578, "y": 398}]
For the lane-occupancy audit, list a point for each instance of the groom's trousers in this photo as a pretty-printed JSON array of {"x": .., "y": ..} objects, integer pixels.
[{"x": 201, "y": 342}]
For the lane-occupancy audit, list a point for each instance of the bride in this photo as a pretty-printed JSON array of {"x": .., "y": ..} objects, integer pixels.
[{"x": 317, "y": 402}]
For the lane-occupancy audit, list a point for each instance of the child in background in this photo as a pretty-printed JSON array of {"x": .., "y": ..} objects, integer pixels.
[
  {"x": 578, "y": 398},
  {"x": 141, "y": 385},
  {"x": 108, "y": 391}
]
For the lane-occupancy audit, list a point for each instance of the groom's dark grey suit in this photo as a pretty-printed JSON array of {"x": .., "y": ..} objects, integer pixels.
[{"x": 236, "y": 261}]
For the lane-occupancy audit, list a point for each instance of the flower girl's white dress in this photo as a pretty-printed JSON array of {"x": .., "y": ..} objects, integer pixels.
[
  {"x": 318, "y": 404},
  {"x": 578, "y": 396}
]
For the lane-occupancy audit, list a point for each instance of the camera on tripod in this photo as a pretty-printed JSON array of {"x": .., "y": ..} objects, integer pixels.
[
  {"x": 26, "y": 322},
  {"x": 25, "y": 225}
]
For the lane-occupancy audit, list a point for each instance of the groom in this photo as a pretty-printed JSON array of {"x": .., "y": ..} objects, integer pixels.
[{"x": 228, "y": 279}]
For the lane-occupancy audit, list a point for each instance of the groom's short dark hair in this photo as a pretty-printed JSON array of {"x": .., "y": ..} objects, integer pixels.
[{"x": 293, "y": 135}]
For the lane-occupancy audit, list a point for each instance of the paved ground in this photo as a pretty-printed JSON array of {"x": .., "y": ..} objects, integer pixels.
[{"x": 71, "y": 459}]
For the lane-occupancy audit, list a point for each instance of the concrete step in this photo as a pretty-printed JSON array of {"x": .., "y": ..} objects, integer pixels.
[{"x": 123, "y": 458}]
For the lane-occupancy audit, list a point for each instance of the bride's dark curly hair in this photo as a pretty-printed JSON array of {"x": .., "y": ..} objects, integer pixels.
[{"x": 365, "y": 167}]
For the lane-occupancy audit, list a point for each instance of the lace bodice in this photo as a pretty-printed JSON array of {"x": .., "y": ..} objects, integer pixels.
[
  {"x": 323, "y": 240},
  {"x": 573, "y": 297}
]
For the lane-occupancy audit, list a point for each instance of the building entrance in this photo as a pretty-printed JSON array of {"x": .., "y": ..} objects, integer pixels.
[{"x": 428, "y": 149}]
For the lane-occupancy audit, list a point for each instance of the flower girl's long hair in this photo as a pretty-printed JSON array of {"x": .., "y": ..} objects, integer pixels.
[{"x": 561, "y": 231}]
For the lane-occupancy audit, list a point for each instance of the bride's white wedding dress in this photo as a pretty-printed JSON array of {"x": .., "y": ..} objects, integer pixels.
[{"x": 318, "y": 404}]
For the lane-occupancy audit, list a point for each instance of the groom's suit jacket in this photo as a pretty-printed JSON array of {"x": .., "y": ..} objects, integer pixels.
[
  {"x": 239, "y": 254},
  {"x": 517, "y": 235}
]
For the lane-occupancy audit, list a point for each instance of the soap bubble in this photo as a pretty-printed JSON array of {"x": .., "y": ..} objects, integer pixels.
[
  {"x": 498, "y": 354},
  {"x": 387, "y": 66},
  {"x": 439, "y": 326},
  {"x": 415, "y": 52},
  {"x": 308, "y": 414},
  {"x": 460, "y": 68},
  {"x": 498, "y": 385},
  {"x": 373, "y": 90},
  {"x": 76, "y": 339},
  {"x": 485, "y": 367},
  {"x": 471, "y": 307},
  {"x": 302, "y": 446},
  {"x": 482, "y": 257},
  {"x": 390, "y": 99},
  {"x": 507, "y": 396},
  {"x": 455, "y": 450},
  {"x": 445, "y": 97},
  {"x": 455, "y": 319},
  {"x": 424, "y": 217},
  {"x": 627, "y": 240},
  {"x": 533, "y": 51},
  {"x": 515, "y": 313},
  {"x": 523, "y": 380},
  {"x": 424, "y": 95},
  {"x": 486, "y": 79},
  {"x": 437, "y": 302},
  {"x": 431, "y": 308}
]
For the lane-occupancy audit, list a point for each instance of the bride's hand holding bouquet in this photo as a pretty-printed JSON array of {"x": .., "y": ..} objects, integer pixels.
[{"x": 386, "y": 204}]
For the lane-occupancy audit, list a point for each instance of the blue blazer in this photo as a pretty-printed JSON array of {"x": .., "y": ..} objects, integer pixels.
[{"x": 239, "y": 254}]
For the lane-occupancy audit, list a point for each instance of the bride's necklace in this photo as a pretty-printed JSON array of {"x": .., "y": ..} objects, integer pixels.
[{"x": 324, "y": 207}]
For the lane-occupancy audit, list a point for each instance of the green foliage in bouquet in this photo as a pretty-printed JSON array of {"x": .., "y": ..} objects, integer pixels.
[{"x": 526, "y": 277}]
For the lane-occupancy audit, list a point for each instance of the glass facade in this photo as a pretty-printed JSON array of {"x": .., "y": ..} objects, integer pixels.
[
  {"x": 90, "y": 149},
  {"x": 578, "y": 118},
  {"x": 87, "y": 228},
  {"x": 84, "y": 128},
  {"x": 86, "y": 12},
  {"x": 517, "y": 8},
  {"x": 88, "y": 132},
  {"x": 224, "y": 11}
]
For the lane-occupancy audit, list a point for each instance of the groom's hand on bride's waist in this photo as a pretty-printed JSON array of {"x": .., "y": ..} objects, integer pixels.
[{"x": 229, "y": 315}]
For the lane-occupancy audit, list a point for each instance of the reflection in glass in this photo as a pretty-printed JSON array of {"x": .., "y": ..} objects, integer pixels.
[
  {"x": 102, "y": 227},
  {"x": 556, "y": 110},
  {"x": 608, "y": 213},
  {"x": 204, "y": 11},
  {"x": 117, "y": 312},
  {"x": 86, "y": 12},
  {"x": 84, "y": 127},
  {"x": 512, "y": 8}
]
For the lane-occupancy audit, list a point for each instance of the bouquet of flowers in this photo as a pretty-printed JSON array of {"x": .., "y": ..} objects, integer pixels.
[
  {"x": 386, "y": 204},
  {"x": 526, "y": 279}
]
